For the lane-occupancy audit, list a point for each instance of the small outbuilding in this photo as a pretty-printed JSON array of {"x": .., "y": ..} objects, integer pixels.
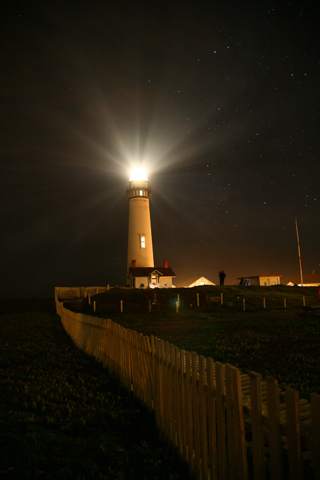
[
  {"x": 200, "y": 281},
  {"x": 151, "y": 277},
  {"x": 260, "y": 280}
]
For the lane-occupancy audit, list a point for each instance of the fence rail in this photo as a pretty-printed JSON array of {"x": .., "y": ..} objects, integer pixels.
[
  {"x": 225, "y": 424},
  {"x": 78, "y": 292}
]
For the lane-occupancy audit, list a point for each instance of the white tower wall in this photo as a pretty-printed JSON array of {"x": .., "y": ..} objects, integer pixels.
[{"x": 140, "y": 246}]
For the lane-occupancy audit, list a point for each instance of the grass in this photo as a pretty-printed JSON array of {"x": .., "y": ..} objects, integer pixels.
[
  {"x": 137, "y": 300},
  {"x": 284, "y": 346},
  {"x": 61, "y": 415},
  {"x": 283, "y": 343}
]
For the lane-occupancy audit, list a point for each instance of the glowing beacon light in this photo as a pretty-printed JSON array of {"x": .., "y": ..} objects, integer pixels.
[{"x": 138, "y": 173}]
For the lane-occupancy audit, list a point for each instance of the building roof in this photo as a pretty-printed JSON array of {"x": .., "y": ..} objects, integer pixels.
[
  {"x": 313, "y": 279},
  {"x": 199, "y": 282},
  {"x": 146, "y": 271}
]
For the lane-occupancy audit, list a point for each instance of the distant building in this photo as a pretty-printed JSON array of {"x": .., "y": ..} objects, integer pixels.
[
  {"x": 200, "y": 281},
  {"x": 261, "y": 280},
  {"x": 312, "y": 280},
  {"x": 150, "y": 277}
]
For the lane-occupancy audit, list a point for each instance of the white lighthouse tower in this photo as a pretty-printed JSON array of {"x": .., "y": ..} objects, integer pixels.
[{"x": 140, "y": 249}]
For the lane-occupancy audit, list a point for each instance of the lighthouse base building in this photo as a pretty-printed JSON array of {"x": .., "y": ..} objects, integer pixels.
[{"x": 150, "y": 277}]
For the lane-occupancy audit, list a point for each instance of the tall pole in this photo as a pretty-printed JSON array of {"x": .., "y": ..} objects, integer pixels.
[{"x": 301, "y": 276}]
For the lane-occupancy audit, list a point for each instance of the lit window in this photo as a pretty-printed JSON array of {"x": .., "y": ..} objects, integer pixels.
[
  {"x": 142, "y": 241},
  {"x": 141, "y": 193}
]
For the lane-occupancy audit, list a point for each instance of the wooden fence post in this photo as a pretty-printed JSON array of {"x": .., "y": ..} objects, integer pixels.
[
  {"x": 212, "y": 435},
  {"x": 274, "y": 429},
  {"x": 154, "y": 376},
  {"x": 257, "y": 427},
  {"x": 293, "y": 434},
  {"x": 173, "y": 396},
  {"x": 121, "y": 306},
  {"x": 315, "y": 430},
  {"x": 178, "y": 403},
  {"x": 149, "y": 372},
  {"x": 285, "y": 303},
  {"x": 203, "y": 417},
  {"x": 237, "y": 458},
  {"x": 163, "y": 386},
  {"x": 196, "y": 420},
  {"x": 197, "y": 299},
  {"x": 167, "y": 393},
  {"x": 221, "y": 296},
  {"x": 94, "y": 305},
  {"x": 189, "y": 429},
  {"x": 158, "y": 386},
  {"x": 182, "y": 404},
  {"x": 304, "y": 301},
  {"x": 264, "y": 303},
  {"x": 221, "y": 423},
  {"x": 128, "y": 360},
  {"x": 244, "y": 304}
]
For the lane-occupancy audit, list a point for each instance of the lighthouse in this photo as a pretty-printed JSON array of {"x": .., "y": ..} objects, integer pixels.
[
  {"x": 141, "y": 272},
  {"x": 140, "y": 249}
]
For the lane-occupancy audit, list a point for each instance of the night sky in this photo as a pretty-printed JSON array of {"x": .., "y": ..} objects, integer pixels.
[{"x": 219, "y": 103}]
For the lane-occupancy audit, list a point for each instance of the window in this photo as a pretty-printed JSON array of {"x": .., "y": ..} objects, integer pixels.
[
  {"x": 142, "y": 241},
  {"x": 141, "y": 193}
]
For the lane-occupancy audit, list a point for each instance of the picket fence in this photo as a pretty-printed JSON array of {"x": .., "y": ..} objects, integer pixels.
[
  {"x": 224, "y": 424},
  {"x": 77, "y": 292}
]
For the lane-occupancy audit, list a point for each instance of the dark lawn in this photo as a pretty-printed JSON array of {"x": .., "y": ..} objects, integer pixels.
[{"x": 61, "y": 415}]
